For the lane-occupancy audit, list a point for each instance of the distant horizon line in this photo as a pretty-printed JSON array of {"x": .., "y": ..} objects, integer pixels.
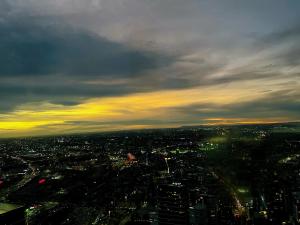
[{"x": 149, "y": 129}]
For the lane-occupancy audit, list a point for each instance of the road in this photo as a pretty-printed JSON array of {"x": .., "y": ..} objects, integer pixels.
[
  {"x": 27, "y": 177},
  {"x": 240, "y": 209}
]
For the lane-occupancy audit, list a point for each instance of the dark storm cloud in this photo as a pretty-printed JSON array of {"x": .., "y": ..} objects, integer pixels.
[
  {"x": 58, "y": 59},
  {"x": 73, "y": 93},
  {"x": 36, "y": 50},
  {"x": 63, "y": 94}
]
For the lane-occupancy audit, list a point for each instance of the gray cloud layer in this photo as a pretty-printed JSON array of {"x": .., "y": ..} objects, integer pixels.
[
  {"x": 69, "y": 50},
  {"x": 34, "y": 50},
  {"x": 277, "y": 104},
  {"x": 53, "y": 62}
]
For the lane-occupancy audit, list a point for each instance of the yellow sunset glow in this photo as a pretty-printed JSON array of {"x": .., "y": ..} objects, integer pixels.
[{"x": 31, "y": 120}]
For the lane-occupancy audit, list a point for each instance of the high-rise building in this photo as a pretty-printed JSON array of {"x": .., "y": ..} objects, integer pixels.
[
  {"x": 198, "y": 214},
  {"x": 172, "y": 204}
]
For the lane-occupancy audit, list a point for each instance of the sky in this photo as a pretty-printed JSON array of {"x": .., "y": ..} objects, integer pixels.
[{"x": 74, "y": 66}]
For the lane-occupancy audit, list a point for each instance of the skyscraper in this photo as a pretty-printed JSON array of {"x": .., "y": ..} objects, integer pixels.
[{"x": 172, "y": 204}]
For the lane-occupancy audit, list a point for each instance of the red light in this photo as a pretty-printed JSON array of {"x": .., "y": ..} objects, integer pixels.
[
  {"x": 42, "y": 181},
  {"x": 130, "y": 157}
]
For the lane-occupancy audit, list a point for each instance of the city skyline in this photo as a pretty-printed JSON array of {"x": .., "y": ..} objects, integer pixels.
[{"x": 73, "y": 66}]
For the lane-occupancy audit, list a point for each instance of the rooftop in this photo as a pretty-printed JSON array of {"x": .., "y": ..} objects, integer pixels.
[{"x": 6, "y": 207}]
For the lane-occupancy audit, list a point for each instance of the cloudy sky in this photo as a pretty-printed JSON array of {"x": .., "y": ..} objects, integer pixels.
[{"x": 97, "y": 65}]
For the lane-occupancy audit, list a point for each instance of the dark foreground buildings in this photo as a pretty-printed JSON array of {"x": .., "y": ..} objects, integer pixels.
[
  {"x": 227, "y": 175},
  {"x": 172, "y": 204},
  {"x": 11, "y": 214}
]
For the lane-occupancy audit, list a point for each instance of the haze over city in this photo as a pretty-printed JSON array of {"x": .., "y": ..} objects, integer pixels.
[{"x": 72, "y": 66}]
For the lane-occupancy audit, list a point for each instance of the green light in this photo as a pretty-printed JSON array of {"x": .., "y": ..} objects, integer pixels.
[{"x": 242, "y": 190}]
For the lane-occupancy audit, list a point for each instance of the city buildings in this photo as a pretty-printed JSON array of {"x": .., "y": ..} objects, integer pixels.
[{"x": 241, "y": 175}]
